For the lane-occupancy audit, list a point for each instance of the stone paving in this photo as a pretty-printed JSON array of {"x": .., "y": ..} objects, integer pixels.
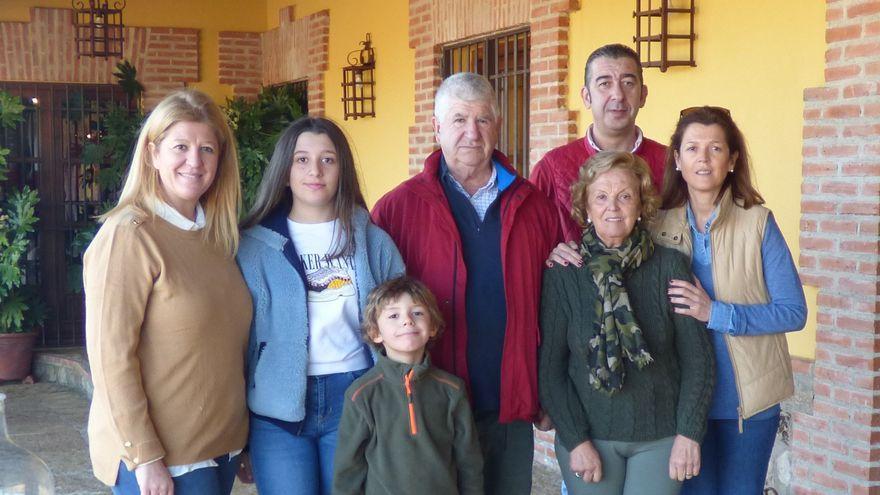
[{"x": 50, "y": 420}]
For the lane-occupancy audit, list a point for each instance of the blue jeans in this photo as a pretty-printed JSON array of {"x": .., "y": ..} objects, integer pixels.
[
  {"x": 297, "y": 458},
  {"x": 734, "y": 463},
  {"x": 205, "y": 481}
]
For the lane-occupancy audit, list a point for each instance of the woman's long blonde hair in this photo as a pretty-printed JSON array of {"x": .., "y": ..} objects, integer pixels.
[{"x": 222, "y": 199}]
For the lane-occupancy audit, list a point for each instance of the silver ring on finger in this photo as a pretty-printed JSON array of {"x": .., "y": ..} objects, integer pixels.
[{"x": 577, "y": 474}]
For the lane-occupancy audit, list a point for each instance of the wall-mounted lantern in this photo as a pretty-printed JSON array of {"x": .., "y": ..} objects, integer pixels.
[
  {"x": 358, "y": 82},
  {"x": 98, "y": 28},
  {"x": 665, "y": 33}
]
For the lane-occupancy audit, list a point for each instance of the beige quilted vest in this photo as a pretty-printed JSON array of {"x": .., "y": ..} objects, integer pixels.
[{"x": 761, "y": 364}]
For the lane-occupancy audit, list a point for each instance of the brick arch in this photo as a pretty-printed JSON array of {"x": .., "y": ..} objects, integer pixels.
[
  {"x": 435, "y": 22},
  {"x": 43, "y": 50},
  {"x": 836, "y": 446}
]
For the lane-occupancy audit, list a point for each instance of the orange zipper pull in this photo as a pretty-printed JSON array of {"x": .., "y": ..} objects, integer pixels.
[{"x": 407, "y": 381}]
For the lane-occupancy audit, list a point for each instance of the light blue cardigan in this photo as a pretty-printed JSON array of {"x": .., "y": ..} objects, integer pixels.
[{"x": 278, "y": 353}]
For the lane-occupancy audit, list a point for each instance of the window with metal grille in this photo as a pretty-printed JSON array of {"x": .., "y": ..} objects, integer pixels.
[
  {"x": 504, "y": 59},
  {"x": 300, "y": 92},
  {"x": 46, "y": 151}
]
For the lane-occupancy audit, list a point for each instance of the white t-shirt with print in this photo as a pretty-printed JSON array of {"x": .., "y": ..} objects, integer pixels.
[{"x": 335, "y": 345}]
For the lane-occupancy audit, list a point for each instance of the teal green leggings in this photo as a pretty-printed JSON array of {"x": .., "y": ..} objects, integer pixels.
[{"x": 628, "y": 468}]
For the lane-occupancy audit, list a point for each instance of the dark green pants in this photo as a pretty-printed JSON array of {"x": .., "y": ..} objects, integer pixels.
[{"x": 508, "y": 450}]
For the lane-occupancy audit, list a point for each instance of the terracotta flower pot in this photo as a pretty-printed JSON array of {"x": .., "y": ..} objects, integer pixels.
[{"x": 16, "y": 354}]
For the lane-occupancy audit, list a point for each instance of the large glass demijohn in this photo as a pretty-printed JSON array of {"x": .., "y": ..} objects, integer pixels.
[{"x": 21, "y": 472}]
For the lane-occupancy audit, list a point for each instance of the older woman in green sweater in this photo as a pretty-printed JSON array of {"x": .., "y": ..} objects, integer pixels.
[{"x": 626, "y": 381}]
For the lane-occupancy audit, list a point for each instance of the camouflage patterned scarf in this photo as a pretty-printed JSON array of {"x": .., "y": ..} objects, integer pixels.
[{"x": 617, "y": 334}]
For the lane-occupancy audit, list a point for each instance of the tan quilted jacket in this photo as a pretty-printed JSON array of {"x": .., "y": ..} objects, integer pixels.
[{"x": 761, "y": 364}]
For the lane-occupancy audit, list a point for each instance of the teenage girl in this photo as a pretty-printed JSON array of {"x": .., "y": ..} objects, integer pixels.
[{"x": 310, "y": 257}]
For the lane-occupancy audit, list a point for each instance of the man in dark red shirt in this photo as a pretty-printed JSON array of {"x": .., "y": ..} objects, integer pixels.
[{"x": 614, "y": 91}]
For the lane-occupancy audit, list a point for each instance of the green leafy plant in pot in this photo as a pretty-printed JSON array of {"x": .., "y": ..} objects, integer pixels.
[{"x": 21, "y": 310}]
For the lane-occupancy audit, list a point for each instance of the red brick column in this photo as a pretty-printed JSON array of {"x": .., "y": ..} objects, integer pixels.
[
  {"x": 241, "y": 62},
  {"x": 428, "y": 76},
  {"x": 836, "y": 447},
  {"x": 551, "y": 124},
  {"x": 318, "y": 50}
]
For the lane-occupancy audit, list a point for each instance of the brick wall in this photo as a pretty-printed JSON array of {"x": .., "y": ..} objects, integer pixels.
[
  {"x": 241, "y": 62},
  {"x": 297, "y": 49},
  {"x": 433, "y": 23},
  {"x": 836, "y": 446},
  {"x": 43, "y": 50}
]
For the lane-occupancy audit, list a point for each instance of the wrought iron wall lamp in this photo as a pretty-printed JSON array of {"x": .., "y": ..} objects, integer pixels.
[
  {"x": 359, "y": 83},
  {"x": 98, "y": 28},
  {"x": 656, "y": 44}
]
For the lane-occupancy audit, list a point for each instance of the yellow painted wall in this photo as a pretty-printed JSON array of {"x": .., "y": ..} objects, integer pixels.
[
  {"x": 380, "y": 144},
  {"x": 209, "y": 16},
  {"x": 753, "y": 57}
]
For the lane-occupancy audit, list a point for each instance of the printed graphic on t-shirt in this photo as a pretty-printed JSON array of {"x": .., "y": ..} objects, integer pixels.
[
  {"x": 335, "y": 345},
  {"x": 328, "y": 279}
]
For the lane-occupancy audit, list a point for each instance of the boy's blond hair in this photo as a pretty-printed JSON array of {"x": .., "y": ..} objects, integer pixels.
[{"x": 382, "y": 295}]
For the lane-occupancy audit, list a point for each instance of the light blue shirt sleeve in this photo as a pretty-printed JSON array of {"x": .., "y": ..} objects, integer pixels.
[{"x": 787, "y": 309}]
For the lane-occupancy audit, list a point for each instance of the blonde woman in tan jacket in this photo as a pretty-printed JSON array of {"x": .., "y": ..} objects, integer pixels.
[{"x": 168, "y": 313}]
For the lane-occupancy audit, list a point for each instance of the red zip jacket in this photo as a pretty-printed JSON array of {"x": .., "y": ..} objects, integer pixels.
[{"x": 417, "y": 216}]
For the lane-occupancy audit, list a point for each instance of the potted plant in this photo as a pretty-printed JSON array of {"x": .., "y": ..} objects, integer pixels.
[{"x": 20, "y": 310}]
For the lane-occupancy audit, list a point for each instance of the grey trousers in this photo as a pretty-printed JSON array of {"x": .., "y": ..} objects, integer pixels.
[{"x": 628, "y": 468}]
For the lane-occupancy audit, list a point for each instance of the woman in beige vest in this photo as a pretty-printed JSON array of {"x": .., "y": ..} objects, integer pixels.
[
  {"x": 168, "y": 313},
  {"x": 747, "y": 291}
]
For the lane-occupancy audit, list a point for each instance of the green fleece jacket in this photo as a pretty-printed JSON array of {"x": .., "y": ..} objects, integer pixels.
[
  {"x": 407, "y": 429},
  {"x": 669, "y": 396}
]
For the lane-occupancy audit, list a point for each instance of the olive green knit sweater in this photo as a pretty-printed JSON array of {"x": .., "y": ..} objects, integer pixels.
[{"x": 670, "y": 396}]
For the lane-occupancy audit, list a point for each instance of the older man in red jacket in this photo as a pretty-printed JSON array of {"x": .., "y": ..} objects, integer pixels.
[{"x": 477, "y": 234}]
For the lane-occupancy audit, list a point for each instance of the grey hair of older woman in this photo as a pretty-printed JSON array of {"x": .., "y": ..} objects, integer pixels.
[{"x": 605, "y": 161}]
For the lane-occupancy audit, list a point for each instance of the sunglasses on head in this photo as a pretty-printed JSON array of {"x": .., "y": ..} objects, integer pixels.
[{"x": 689, "y": 110}]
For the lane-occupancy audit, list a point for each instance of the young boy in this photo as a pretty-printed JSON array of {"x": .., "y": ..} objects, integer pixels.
[{"x": 406, "y": 426}]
